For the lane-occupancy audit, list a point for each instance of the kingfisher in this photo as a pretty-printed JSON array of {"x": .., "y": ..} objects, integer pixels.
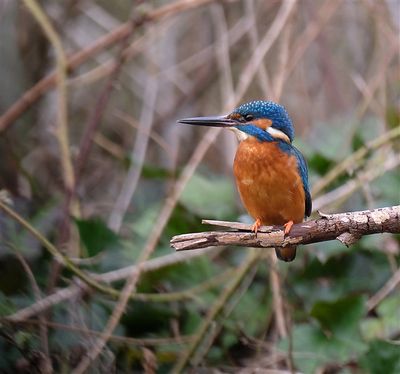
[{"x": 271, "y": 174}]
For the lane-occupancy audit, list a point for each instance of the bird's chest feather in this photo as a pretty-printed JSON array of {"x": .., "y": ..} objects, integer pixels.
[{"x": 269, "y": 182}]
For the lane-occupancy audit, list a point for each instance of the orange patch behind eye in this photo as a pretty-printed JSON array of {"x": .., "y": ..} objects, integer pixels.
[{"x": 262, "y": 123}]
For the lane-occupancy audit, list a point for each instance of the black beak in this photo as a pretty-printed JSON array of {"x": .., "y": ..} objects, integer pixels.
[{"x": 220, "y": 121}]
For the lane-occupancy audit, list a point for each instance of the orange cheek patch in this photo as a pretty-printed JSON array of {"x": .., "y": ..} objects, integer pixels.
[{"x": 262, "y": 123}]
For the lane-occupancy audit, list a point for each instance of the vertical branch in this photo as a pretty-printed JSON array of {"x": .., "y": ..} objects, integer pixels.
[
  {"x": 283, "y": 59},
  {"x": 137, "y": 156},
  {"x": 62, "y": 114},
  {"x": 279, "y": 310},
  {"x": 263, "y": 78},
  {"x": 222, "y": 56},
  {"x": 225, "y": 70}
]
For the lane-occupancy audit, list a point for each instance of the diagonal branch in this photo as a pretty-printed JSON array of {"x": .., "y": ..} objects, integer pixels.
[{"x": 348, "y": 228}]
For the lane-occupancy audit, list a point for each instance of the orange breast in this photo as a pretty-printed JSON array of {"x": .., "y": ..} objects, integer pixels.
[{"x": 269, "y": 183}]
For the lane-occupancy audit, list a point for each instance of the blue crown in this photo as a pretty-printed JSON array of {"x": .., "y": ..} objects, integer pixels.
[{"x": 270, "y": 110}]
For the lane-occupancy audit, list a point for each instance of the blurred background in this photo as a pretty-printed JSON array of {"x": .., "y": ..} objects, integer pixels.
[{"x": 92, "y": 158}]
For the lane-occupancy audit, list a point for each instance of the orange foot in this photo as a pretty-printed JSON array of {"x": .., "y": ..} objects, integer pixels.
[
  {"x": 256, "y": 226},
  {"x": 288, "y": 227}
]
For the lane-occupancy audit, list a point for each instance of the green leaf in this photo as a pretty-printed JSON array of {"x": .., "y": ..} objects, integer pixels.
[
  {"x": 357, "y": 141},
  {"x": 336, "y": 278},
  {"x": 340, "y": 317},
  {"x": 187, "y": 274},
  {"x": 191, "y": 322},
  {"x": 95, "y": 235},
  {"x": 386, "y": 322},
  {"x": 392, "y": 116},
  {"x": 313, "y": 349},
  {"x": 369, "y": 128},
  {"x": 142, "y": 319},
  {"x": 382, "y": 357},
  {"x": 6, "y": 306},
  {"x": 229, "y": 339},
  {"x": 182, "y": 221},
  {"x": 144, "y": 223},
  {"x": 212, "y": 197},
  {"x": 387, "y": 188},
  {"x": 319, "y": 163},
  {"x": 336, "y": 340},
  {"x": 252, "y": 310},
  {"x": 154, "y": 172}
]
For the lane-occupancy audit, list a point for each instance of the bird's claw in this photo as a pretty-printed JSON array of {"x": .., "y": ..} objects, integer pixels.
[
  {"x": 288, "y": 227},
  {"x": 256, "y": 226}
]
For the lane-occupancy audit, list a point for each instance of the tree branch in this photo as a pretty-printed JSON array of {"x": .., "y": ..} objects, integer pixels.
[{"x": 347, "y": 227}]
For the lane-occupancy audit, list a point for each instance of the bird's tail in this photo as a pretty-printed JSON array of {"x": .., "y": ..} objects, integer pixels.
[{"x": 287, "y": 253}]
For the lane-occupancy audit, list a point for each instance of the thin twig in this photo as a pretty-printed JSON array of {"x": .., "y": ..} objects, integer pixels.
[
  {"x": 222, "y": 55},
  {"x": 137, "y": 156},
  {"x": 41, "y": 318},
  {"x": 376, "y": 81},
  {"x": 113, "y": 338},
  {"x": 283, "y": 60},
  {"x": 158, "y": 139},
  {"x": 225, "y": 71},
  {"x": 262, "y": 74},
  {"x": 47, "y": 302},
  {"x": 388, "y": 287},
  {"x": 354, "y": 159},
  {"x": 342, "y": 192},
  {"x": 276, "y": 288},
  {"x": 102, "y": 101}
]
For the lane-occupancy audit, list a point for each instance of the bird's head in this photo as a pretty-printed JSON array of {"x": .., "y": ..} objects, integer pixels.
[{"x": 264, "y": 120}]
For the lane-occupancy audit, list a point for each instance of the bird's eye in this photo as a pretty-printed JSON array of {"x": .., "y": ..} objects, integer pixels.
[{"x": 248, "y": 117}]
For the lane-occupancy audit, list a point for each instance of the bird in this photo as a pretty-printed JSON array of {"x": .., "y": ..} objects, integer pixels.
[{"x": 271, "y": 174}]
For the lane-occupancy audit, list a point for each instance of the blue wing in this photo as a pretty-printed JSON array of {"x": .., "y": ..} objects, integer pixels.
[{"x": 303, "y": 170}]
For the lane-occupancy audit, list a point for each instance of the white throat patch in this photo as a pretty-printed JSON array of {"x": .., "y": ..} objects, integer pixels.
[{"x": 240, "y": 135}]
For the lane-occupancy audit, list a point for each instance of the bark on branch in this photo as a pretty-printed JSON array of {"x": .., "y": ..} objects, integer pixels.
[{"x": 348, "y": 228}]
